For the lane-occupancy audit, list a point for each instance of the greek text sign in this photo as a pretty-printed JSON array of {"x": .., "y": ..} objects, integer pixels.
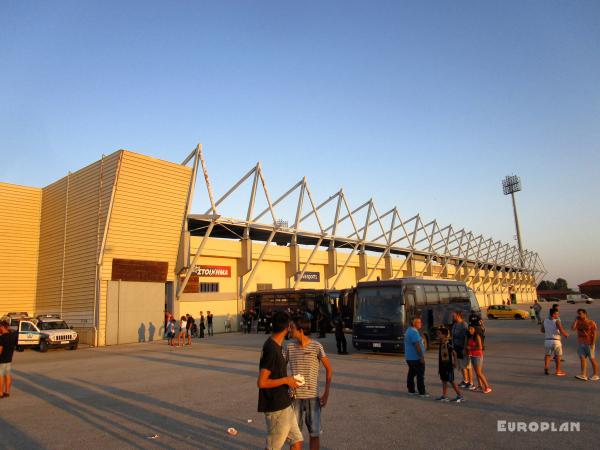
[{"x": 213, "y": 271}]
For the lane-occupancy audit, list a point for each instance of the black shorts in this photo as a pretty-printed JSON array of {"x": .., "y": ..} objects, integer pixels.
[{"x": 447, "y": 375}]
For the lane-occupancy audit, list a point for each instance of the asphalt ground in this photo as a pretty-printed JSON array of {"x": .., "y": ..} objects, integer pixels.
[{"x": 153, "y": 396}]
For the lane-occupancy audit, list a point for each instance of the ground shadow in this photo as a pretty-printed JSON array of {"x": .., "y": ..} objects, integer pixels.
[{"x": 115, "y": 412}]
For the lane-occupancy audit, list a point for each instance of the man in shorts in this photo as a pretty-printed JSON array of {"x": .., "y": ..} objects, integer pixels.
[
  {"x": 274, "y": 399},
  {"x": 8, "y": 342},
  {"x": 587, "y": 334},
  {"x": 553, "y": 329},
  {"x": 459, "y": 341},
  {"x": 305, "y": 356}
]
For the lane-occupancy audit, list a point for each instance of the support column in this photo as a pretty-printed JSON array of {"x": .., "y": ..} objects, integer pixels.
[{"x": 388, "y": 270}]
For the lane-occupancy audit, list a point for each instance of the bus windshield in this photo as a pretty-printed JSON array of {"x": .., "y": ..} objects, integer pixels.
[{"x": 379, "y": 304}]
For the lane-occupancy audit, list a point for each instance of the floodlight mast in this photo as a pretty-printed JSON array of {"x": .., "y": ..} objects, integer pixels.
[{"x": 510, "y": 185}]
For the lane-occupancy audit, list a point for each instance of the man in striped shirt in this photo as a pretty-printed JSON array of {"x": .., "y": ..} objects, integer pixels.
[{"x": 305, "y": 356}]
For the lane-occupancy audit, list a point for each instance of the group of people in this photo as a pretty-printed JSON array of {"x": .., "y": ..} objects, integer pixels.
[
  {"x": 463, "y": 350},
  {"x": 187, "y": 328},
  {"x": 291, "y": 401},
  {"x": 587, "y": 335}
]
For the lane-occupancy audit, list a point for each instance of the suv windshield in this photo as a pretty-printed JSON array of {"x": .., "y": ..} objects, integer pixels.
[
  {"x": 379, "y": 305},
  {"x": 57, "y": 325}
]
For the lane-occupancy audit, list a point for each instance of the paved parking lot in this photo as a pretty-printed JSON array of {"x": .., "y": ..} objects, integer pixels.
[{"x": 120, "y": 397}]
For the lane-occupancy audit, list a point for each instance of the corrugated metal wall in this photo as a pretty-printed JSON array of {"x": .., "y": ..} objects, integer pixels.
[
  {"x": 74, "y": 211},
  {"x": 146, "y": 217},
  {"x": 20, "y": 211}
]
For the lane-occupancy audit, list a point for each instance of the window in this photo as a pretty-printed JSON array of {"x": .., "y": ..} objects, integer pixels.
[
  {"x": 444, "y": 294},
  {"x": 431, "y": 294},
  {"x": 26, "y": 326},
  {"x": 209, "y": 287}
]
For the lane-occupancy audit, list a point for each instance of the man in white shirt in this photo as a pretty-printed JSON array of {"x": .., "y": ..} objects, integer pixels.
[{"x": 553, "y": 329}]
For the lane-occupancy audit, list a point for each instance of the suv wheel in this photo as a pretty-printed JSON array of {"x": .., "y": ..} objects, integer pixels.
[
  {"x": 518, "y": 316},
  {"x": 43, "y": 346},
  {"x": 491, "y": 316},
  {"x": 73, "y": 347},
  {"x": 20, "y": 348}
]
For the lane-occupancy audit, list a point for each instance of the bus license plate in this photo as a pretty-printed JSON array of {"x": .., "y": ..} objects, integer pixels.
[
  {"x": 64, "y": 342},
  {"x": 376, "y": 345}
]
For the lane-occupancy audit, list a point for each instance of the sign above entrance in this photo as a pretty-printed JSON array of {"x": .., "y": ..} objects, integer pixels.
[
  {"x": 213, "y": 271},
  {"x": 135, "y": 270},
  {"x": 311, "y": 277}
]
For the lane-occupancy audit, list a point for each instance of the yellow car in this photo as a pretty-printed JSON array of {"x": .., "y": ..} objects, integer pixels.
[{"x": 506, "y": 312}]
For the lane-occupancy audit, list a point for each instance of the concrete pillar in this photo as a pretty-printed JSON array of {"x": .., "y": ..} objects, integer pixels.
[
  {"x": 332, "y": 269},
  {"x": 388, "y": 270},
  {"x": 363, "y": 268},
  {"x": 245, "y": 262}
]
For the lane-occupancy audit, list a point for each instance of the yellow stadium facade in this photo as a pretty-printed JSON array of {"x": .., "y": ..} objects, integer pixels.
[{"x": 114, "y": 244}]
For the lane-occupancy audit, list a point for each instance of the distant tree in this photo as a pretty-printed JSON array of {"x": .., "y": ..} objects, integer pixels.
[
  {"x": 561, "y": 284},
  {"x": 546, "y": 285}
]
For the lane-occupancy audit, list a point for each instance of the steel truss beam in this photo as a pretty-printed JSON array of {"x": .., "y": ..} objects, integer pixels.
[{"x": 408, "y": 237}]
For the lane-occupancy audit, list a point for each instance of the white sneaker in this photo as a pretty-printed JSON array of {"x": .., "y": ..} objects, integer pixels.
[
  {"x": 581, "y": 377},
  {"x": 595, "y": 378}
]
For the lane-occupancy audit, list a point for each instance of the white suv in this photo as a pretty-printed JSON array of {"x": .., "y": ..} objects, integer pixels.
[{"x": 44, "y": 332}]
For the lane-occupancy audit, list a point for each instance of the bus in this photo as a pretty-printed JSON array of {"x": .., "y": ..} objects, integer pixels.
[
  {"x": 311, "y": 303},
  {"x": 383, "y": 310}
]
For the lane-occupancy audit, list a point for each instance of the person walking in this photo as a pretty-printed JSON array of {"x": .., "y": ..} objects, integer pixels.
[
  {"x": 532, "y": 313},
  {"x": 538, "y": 311},
  {"x": 249, "y": 321},
  {"x": 8, "y": 343},
  {"x": 446, "y": 364},
  {"x": 202, "y": 326},
  {"x": 414, "y": 352},
  {"x": 340, "y": 337},
  {"x": 305, "y": 357},
  {"x": 459, "y": 341},
  {"x": 209, "y": 323},
  {"x": 189, "y": 326},
  {"x": 587, "y": 334},
  {"x": 182, "y": 331},
  {"x": 273, "y": 396},
  {"x": 171, "y": 332},
  {"x": 475, "y": 352},
  {"x": 553, "y": 329},
  {"x": 244, "y": 318}
]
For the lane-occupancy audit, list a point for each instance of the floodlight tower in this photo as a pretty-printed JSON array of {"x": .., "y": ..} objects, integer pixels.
[{"x": 510, "y": 185}]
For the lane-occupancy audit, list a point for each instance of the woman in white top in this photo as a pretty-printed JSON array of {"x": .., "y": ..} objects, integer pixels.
[{"x": 182, "y": 331}]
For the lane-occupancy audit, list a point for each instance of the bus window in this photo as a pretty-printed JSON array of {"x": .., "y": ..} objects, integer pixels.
[
  {"x": 444, "y": 294},
  {"x": 431, "y": 294},
  {"x": 379, "y": 304},
  {"x": 455, "y": 296},
  {"x": 419, "y": 295}
]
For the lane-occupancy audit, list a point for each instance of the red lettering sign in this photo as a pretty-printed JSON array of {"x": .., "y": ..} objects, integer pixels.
[{"x": 213, "y": 271}]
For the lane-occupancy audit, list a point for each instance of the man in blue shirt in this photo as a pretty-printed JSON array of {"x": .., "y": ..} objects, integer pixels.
[{"x": 414, "y": 352}]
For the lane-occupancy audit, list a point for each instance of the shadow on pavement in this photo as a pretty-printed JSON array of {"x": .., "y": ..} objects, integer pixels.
[
  {"x": 117, "y": 416},
  {"x": 12, "y": 437}
]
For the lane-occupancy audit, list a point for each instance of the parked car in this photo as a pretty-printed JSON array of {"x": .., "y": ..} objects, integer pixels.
[
  {"x": 506, "y": 312},
  {"x": 579, "y": 298},
  {"x": 43, "y": 332}
]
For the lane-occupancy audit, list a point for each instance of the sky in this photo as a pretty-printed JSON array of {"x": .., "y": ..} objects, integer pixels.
[{"x": 426, "y": 106}]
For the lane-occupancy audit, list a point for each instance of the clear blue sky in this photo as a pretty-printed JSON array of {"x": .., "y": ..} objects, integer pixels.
[{"x": 423, "y": 106}]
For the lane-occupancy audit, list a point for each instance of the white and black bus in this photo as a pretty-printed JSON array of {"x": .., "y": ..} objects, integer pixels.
[{"x": 383, "y": 310}]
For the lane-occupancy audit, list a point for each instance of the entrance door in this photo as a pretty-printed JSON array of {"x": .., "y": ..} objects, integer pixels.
[{"x": 134, "y": 312}]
